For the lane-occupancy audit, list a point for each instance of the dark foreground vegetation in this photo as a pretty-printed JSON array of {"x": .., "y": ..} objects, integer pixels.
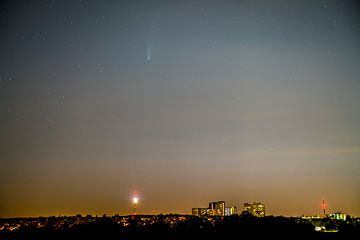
[{"x": 178, "y": 227}]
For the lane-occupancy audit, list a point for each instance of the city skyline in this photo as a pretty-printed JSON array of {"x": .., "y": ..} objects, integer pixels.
[
  {"x": 212, "y": 210},
  {"x": 184, "y": 102}
]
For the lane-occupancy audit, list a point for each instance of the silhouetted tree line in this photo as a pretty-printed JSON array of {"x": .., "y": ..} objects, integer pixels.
[{"x": 243, "y": 226}]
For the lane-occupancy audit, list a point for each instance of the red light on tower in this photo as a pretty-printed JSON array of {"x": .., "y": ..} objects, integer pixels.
[{"x": 323, "y": 206}]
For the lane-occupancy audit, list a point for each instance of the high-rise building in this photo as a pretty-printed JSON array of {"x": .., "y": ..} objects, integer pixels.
[
  {"x": 199, "y": 212},
  {"x": 230, "y": 211},
  {"x": 217, "y": 208},
  {"x": 256, "y": 209},
  {"x": 338, "y": 216},
  {"x": 214, "y": 209}
]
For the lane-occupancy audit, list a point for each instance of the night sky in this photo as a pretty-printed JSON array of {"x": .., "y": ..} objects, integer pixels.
[{"x": 186, "y": 102}]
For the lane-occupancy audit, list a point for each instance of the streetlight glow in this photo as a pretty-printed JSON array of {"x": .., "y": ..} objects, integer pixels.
[{"x": 135, "y": 200}]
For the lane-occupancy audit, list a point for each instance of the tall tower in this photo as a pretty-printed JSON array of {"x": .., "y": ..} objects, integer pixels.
[
  {"x": 323, "y": 206},
  {"x": 135, "y": 202}
]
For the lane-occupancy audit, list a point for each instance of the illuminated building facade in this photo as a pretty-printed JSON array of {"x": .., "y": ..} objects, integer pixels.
[
  {"x": 199, "y": 212},
  {"x": 230, "y": 211},
  {"x": 338, "y": 216},
  {"x": 217, "y": 208},
  {"x": 256, "y": 209},
  {"x": 214, "y": 209}
]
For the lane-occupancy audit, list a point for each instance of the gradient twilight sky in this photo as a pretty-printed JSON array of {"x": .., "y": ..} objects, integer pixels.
[{"x": 186, "y": 102}]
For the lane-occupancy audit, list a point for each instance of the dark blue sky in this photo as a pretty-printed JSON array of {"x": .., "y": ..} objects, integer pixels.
[{"x": 185, "y": 101}]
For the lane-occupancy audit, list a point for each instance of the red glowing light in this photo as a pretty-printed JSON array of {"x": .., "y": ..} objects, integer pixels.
[{"x": 323, "y": 204}]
